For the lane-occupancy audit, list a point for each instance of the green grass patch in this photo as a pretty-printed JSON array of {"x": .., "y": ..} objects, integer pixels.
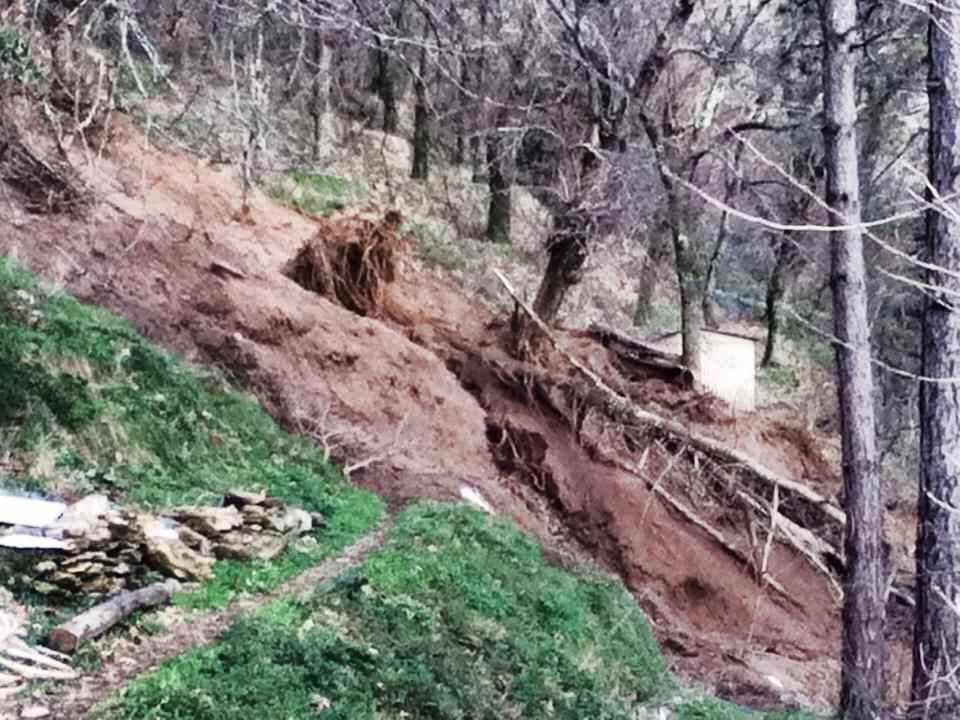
[
  {"x": 709, "y": 708},
  {"x": 778, "y": 376},
  {"x": 313, "y": 193},
  {"x": 87, "y": 404},
  {"x": 457, "y": 616}
]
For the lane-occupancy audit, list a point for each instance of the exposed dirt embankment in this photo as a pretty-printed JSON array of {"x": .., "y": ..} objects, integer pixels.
[{"x": 425, "y": 401}]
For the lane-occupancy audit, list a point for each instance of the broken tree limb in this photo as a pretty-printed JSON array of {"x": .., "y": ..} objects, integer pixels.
[
  {"x": 699, "y": 522},
  {"x": 815, "y": 549},
  {"x": 638, "y": 358},
  {"x": 97, "y": 620},
  {"x": 622, "y": 409}
]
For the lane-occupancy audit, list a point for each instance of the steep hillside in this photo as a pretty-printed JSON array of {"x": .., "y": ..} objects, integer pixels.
[{"x": 426, "y": 402}]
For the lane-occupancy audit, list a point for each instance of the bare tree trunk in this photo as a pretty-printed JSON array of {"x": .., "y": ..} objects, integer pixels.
[
  {"x": 567, "y": 254},
  {"x": 776, "y": 289},
  {"x": 421, "y": 122},
  {"x": 657, "y": 252},
  {"x": 936, "y": 645},
  {"x": 460, "y": 152},
  {"x": 500, "y": 208},
  {"x": 321, "y": 90},
  {"x": 387, "y": 89},
  {"x": 731, "y": 190},
  {"x": 691, "y": 302},
  {"x": 863, "y": 651},
  {"x": 476, "y": 151}
]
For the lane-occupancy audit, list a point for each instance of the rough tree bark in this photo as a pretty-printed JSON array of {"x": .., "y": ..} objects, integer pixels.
[
  {"x": 731, "y": 189},
  {"x": 479, "y": 79},
  {"x": 566, "y": 256},
  {"x": 936, "y": 646},
  {"x": 498, "y": 180},
  {"x": 421, "y": 122},
  {"x": 658, "y": 249},
  {"x": 92, "y": 623},
  {"x": 863, "y": 652},
  {"x": 385, "y": 85},
  {"x": 787, "y": 258}
]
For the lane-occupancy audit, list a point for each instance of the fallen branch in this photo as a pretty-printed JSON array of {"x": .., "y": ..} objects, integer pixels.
[
  {"x": 695, "y": 519},
  {"x": 19, "y": 661},
  {"x": 622, "y": 409},
  {"x": 100, "y": 618},
  {"x": 800, "y": 539}
]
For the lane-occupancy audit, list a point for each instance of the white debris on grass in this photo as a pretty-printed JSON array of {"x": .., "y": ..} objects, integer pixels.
[{"x": 473, "y": 496}]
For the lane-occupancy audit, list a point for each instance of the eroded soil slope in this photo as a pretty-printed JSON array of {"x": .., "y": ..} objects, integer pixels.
[{"x": 419, "y": 404}]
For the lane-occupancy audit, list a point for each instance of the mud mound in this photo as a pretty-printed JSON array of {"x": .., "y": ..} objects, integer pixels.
[{"x": 352, "y": 259}]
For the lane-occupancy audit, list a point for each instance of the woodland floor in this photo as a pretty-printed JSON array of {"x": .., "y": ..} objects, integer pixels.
[{"x": 416, "y": 399}]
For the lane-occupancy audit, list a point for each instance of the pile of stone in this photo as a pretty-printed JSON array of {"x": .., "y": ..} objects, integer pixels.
[{"x": 96, "y": 549}]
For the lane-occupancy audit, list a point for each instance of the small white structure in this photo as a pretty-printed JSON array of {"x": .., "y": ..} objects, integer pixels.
[{"x": 728, "y": 363}]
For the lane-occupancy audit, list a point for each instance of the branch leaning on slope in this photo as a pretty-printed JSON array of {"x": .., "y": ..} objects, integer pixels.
[
  {"x": 714, "y": 534},
  {"x": 622, "y": 409}
]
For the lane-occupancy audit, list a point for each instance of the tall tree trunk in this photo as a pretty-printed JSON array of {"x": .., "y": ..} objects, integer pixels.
[
  {"x": 657, "y": 251},
  {"x": 936, "y": 645},
  {"x": 500, "y": 208},
  {"x": 476, "y": 151},
  {"x": 386, "y": 89},
  {"x": 776, "y": 289},
  {"x": 321, "y": 90},
  {"x": 421, "y": 123},
  {"x": 460, "y": 152},
  {"x": 731, "y": 190},
  {"x": 566, "y": 256},
  {"x": 863, "y": 652},
  {"x": 691, "y": 302}
]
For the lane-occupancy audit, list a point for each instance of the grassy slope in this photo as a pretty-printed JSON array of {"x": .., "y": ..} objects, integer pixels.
[
  {"x": 456, "y": 616},
  {"x": 88, "y": 405}
]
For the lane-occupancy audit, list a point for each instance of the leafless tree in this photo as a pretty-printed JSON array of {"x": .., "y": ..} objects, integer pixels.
[
  {"x": 863, "y": 650},
  {"x": 936, "y": 647}
]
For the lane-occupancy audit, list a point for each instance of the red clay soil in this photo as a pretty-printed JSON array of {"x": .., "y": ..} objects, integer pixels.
[{"x": 420, "y": 399}]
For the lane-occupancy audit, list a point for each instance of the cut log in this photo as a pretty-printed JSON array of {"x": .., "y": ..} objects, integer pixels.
[
  {"x": 100, "y": 618},
  {"x": 622, "y": 409}
]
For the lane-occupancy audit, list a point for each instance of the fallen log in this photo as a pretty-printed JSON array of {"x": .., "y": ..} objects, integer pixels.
[
  {"x": 622, "y": 409},
  {"x": 97, "y": 620},
  {"x": 639, "y": 359}
]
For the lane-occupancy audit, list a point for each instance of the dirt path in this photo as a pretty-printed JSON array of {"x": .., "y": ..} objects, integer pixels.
[{"x": 72, "y": 701}]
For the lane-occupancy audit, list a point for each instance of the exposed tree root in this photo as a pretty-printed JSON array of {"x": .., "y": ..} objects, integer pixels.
[{"x": 352, "y": 259}]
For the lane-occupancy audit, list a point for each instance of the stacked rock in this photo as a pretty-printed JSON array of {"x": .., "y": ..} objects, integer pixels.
[{"x": 101, "y": 550}]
